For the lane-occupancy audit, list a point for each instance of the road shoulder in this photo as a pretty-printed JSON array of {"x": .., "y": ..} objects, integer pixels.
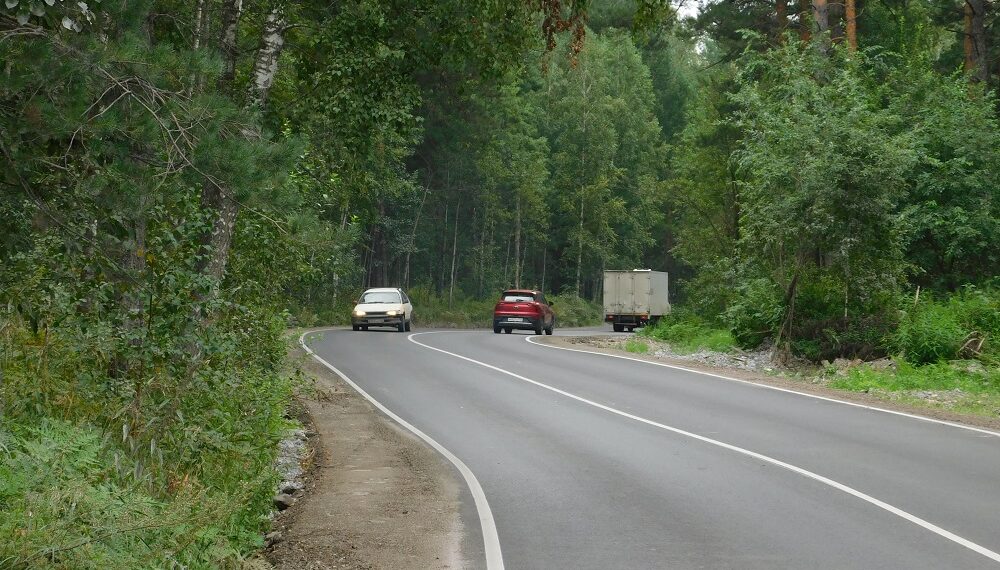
[
  {"x": 377, "y": 497},
  {"x": 798, "y": 384}
]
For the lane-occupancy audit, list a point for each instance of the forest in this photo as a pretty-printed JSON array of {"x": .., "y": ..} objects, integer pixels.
[{"x": 183, "y": 181}]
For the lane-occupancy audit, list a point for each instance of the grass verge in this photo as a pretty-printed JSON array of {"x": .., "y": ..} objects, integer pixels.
[{"x": 963, "y": 386}]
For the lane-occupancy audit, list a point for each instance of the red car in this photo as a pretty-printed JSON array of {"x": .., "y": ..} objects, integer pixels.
[{"x": 523, "y": 309}]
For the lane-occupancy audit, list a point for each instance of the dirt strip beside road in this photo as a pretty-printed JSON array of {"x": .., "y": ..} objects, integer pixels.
[{"x": 377, "y": 497}]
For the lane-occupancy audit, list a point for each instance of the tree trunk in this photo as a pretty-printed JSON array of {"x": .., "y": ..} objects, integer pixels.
[
  {"x": 132, "y": 299},
  {"x": 216, "y": 195},
  {"x": 976, "y": 62},
  {"x": 821, "y": 19},
  {"x": 851, "y": 21},
  {"x": 545, "y": 253},
  {"x": 835, "y": 19},
  {"x": 517, "y": 241},
  {"x": 454, "y": 254},
  {"x": 413, "y": 239},
  {"x": 266, "y": 65},
  {"x": 785, "y": 331},
  {"x": 781, "y": 11},
  {"x": 231, "y": 12},
  {"x": 219, "y": 198},
  {"x": 805, "y": 20},
  {"x": 506, "y": 265},
  {"x": 579, "y": 251},
  {"x": 444, "y": 249}
]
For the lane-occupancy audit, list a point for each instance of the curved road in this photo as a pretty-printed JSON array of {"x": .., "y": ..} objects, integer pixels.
[{"x": 594, "y": 462}]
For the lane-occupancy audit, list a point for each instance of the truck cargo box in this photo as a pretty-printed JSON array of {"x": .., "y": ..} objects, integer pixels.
[{"x": 634, "y": 297}]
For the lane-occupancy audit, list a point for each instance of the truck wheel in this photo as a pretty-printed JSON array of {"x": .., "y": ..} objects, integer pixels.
[
  {"x": 618, "y": 328},
  {"x": 364, "y": 327},
  {"x": 355, "y": 328},
  {"x": 631, "y": 329}
]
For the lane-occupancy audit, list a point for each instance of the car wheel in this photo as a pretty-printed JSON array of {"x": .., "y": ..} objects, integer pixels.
[
  {"x": 364, "y": 327},
  {"x": 552, "y": 325},
  {"x": 496, "y": 330},
  {"x": 507, "y": 330},
  {"x": 539, "y": 327},
  {"x": 401, "y": 327},
  {"x": 409, "y": 325}
]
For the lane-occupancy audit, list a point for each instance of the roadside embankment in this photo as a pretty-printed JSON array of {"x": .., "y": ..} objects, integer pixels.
[{"x": 375, "y": 496}]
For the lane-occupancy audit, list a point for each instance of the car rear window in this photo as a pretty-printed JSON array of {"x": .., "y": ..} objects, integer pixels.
[
  {"x": 380, "y": 297},
  {"x": 516, "y": 297}
]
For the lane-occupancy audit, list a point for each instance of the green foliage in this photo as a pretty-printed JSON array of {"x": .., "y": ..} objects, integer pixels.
[
  {"x": 755, "y": 313},
  {"x": 636, "y": 346},
  {"x": 687, "y": 332}
]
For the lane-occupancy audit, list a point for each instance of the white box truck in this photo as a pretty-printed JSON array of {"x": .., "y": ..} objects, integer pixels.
[{"x": 634, "y": 297}]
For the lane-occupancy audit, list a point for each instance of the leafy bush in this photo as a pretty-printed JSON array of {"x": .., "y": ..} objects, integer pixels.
[
  {"x": 688, "y": 332},
  {"x": 755, "y": 313}
]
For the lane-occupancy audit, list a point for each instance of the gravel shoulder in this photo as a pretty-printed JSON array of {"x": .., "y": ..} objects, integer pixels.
[
  {"x": 803, "y": 380},
  {"x": 375, "y": 496}
]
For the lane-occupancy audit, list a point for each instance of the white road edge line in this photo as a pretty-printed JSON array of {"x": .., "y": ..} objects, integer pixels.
[
  {"x": 799, "y": 470},
  {"x": 530, "y": 340},
  {"x": 491, "y": 541}
]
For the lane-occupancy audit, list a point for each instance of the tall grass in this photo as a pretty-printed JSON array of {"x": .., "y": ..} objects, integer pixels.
[{"x": 964, "y": 325}]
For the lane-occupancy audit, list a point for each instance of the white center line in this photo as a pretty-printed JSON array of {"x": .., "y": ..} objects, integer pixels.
[{"x": 793, "y": 468}]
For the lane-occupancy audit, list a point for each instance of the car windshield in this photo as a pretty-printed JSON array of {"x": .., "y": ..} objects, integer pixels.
[
  {"x": 517, "y": 297},
  {"x": 380, "y": 297}
]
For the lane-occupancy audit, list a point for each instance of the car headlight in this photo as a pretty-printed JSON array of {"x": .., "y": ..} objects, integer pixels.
[
  {"x": 392, "y": 313},
  {"x": 359, "y": 313}
]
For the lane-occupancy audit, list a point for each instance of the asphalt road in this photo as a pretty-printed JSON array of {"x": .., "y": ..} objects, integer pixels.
[{"x": 592, "y": 462}]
